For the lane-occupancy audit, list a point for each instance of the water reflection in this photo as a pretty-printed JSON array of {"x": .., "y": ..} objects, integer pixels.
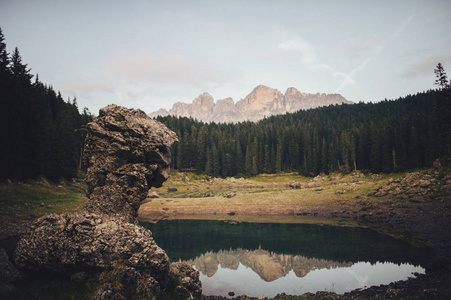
[
  {"x": 244, "y": 281},
  {"x": 262, "y": 260},
  {"x": 269, "y": 266}
]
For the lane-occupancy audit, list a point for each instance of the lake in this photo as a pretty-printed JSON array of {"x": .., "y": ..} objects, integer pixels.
[{"x": 265, "y": 259}]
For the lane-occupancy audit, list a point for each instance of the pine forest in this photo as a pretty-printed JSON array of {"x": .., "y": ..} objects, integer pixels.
[
  {"x": 388, "y": 136},
  {"x": 42, "y": 135}
]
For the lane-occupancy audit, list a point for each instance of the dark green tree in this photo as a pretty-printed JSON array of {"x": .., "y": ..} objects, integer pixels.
[{"x": 442, "y": 78}]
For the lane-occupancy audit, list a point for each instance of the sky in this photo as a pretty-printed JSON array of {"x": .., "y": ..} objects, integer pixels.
[{"x": 151, "y": 54}]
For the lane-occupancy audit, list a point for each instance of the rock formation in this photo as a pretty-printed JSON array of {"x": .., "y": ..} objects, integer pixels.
[
  {"x": 126, "y": 153},
  {"x": 261, "y": 102},
  {"x": 71, "y": 243},
  {"x": 187, "y": 278}
]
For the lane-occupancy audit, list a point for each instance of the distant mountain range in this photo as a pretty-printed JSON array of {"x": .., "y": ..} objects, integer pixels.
[{"x": 262, "y": 102}]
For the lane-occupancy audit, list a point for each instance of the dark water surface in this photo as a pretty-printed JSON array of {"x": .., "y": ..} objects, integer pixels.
[{"x": 262, "y": 259}]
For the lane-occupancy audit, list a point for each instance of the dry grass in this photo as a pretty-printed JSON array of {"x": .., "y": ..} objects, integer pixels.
[{"x": 257, "y": 197}]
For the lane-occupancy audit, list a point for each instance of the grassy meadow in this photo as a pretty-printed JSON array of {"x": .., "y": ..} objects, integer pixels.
[
  {"x": 30, "y": 200},
  {"x": 262, "y": 198}
]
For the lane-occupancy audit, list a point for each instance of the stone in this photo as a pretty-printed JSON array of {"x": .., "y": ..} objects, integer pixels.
[
  {"x": 295, "y": 185},
  {"x": 424, "y": 183},
  {"x": 126, "y": 154},
  {"x": 311, "y": 185},
  {"x": 230, "y": 195},
  {"x": 68, "y": 244},
  {"x": 153, "y": 195},
  {"x": 187, "y": 280}
]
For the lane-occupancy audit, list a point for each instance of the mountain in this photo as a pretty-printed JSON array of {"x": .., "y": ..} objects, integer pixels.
[{"x": 262, "y": 102}]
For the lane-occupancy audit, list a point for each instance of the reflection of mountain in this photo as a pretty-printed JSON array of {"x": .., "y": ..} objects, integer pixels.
[{"x": 269, "y": 266}]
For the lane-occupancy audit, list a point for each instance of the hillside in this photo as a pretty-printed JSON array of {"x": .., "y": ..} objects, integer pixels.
[{"x": 262, "y": 102}]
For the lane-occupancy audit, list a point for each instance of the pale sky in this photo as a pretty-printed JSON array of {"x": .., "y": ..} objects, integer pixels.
[{"x": 151, "y": 54}]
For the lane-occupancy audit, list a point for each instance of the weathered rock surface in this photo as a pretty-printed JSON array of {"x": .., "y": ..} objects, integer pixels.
[
  {"x": 263, "y": 101},
  {"x": 71, "y": 243},
  {"x": 126, "y": 154},
  {"x": 186, "y": 279}
]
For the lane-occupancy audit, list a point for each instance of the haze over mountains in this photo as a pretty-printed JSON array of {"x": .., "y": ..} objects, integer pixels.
[{"x": 262, "y": 102}]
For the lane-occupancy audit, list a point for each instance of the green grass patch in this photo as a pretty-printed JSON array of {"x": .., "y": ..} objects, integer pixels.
[{"x": 26, "y": 201}]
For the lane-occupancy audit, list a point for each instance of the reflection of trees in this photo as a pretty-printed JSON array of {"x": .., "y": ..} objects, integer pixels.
[
  {"x": 186, "y": 239},
  {"x": 268, "y": 265}
]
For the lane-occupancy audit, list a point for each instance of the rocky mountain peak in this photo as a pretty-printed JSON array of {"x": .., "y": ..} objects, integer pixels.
[
  {"x": 263, "y": 101},
  {"x": 204, "y": 102},
  {"x": 260, "y": 98},
  {"x": 292, "y": 92}
]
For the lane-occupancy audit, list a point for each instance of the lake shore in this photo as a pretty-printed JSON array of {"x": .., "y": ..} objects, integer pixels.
[{"x": 414, "y": 207}]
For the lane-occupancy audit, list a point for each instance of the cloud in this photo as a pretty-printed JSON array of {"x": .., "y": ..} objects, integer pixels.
[
  {"x": 173, "y": 69},
  {"x": 349, "y": 78},
  {"x": 425, "y": 67},
  {"x": 358, "y": 47},
  {"x": 88, "y": 83},
  {"x": 307, "y": 53},
  {"x": 309, "y": 58}
]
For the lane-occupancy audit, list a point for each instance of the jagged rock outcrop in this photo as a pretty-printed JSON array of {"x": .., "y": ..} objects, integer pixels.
[
  {"x": 70, "y": 243},
  {"x": 262, "y": 102},
  {"x": 126, "y": 154}
]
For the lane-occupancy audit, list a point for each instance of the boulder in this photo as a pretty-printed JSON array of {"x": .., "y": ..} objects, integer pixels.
[
  {"x": 186, "y": 280},
  {"x": 126, "y": 153},
  {"x": 71, "y": 243},
  {"x": 311, "y": 185},
  {"x": 295, "y": 185}
]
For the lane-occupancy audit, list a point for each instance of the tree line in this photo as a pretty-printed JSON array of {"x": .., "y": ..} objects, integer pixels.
[
  {"x": 388, "y": 136},
  {"x": 42, "y": 135}
]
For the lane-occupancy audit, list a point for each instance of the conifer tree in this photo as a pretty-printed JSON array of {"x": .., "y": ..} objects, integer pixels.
[{"x": 442, "y": 78}]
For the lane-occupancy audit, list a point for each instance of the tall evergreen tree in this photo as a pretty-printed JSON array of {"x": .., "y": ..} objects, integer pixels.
[{"x": 442, "y": 78}]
